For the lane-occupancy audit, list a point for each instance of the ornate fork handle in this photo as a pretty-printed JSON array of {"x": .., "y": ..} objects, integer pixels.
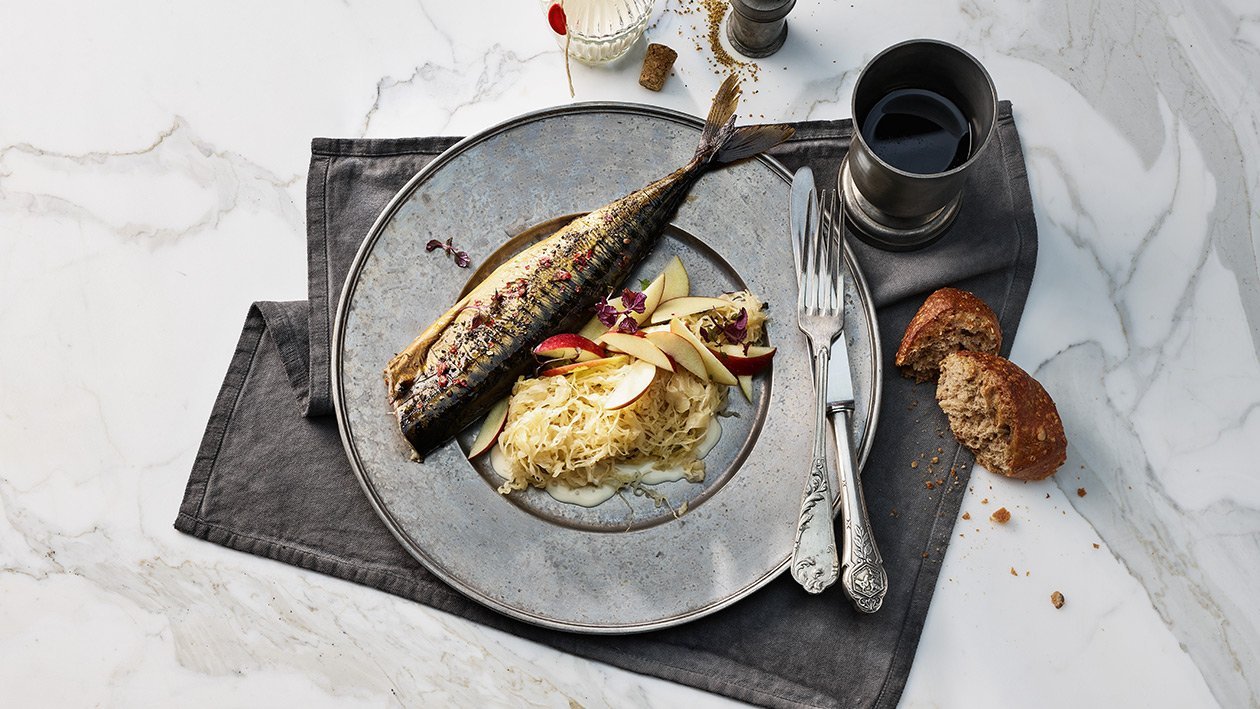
[
  {"x": 862, "y": 575},
  {"x": 815, "y": 564}
]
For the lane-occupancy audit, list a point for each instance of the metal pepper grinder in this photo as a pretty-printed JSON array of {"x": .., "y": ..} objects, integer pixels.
[{"x": 757, "y": 28}]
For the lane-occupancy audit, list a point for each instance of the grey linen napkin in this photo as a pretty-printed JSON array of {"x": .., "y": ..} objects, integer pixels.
[{"x": 271, "y": 477}]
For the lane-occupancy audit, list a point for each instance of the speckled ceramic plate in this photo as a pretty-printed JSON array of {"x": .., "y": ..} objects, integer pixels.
[{"x": 628, "y": 564}]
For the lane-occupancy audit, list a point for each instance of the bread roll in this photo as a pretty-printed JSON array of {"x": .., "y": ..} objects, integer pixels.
[
  {"x": 948, "y": 321},
  {"x": 1002, "y": 415}
]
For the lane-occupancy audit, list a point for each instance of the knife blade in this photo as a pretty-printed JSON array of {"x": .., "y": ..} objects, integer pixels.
[{"x": 802, "y": 213}]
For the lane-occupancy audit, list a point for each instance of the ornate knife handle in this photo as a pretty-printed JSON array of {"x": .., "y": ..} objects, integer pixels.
[
  {"x": 862, "y": 575},
  {"x": 815, "y": 564}
]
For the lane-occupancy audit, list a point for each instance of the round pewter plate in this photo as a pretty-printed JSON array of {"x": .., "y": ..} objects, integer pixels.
[{"x": 629, "y": 564}]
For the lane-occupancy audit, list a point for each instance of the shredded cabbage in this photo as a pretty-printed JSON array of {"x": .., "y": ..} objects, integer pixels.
[
  {"x": 557, "y": 429},
  {"x": 710, "y": 325}
]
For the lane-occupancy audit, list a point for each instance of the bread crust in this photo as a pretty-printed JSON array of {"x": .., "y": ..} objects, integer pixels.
[
  {"x": 937, "y": 312},
  {"x": 1038, "y": 445}
]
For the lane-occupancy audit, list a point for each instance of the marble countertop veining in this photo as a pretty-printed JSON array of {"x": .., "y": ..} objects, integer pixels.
[{"x": 152, "y": 176}]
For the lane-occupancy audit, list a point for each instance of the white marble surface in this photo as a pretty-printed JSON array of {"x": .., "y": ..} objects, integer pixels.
[{"x": 152, "y": 169}]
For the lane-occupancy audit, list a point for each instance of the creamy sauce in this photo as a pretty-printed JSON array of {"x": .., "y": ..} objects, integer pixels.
[
  {"x": 585, "y": 496},
  {"x": 711, "y": 437},
  {"x": 500, "y": 463},
  {"x": 593, "y": 495}
]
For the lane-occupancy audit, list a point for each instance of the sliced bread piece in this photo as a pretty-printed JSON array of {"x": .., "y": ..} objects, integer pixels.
[
  {"x": 1002, "y": 415},
  {"x": 948, "y": 321}
]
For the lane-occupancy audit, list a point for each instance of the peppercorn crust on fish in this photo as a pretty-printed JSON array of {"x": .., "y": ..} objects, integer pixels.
[{"x": 469, "y": 358}]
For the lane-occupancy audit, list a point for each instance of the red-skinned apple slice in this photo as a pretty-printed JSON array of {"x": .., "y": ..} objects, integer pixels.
[
  {"x": 717, "y": 371},
  {"x": 677, "y": 282},
  {"x": 635, "y": 381},
  {"x": 745, "y": 380},
  {"x": 565, "y": 369},
  {"x": 490, "y": 429},
  {"x": 690, "y": 305},
  {"x": 637, "y": 346},
  {"x": 569, "y": 346},
  {"x": 680, "y": 352},
  {"x": 734, "y": 358}
]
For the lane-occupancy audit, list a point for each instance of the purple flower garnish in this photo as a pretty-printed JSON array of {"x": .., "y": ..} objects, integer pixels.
[
  {"x": 737, "y": 330},
  {"x": 461, "y": 257},
  {"x": 628, "y": 325},
  {"x": 606, "y": 313},
  {"x": 633, "y": 301}
]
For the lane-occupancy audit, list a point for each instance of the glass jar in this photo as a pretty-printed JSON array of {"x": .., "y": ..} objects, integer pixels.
[{"x": 601, "y": 30}]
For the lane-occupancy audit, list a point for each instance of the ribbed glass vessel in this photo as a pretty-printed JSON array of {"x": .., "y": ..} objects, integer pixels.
[{"x": 602, "y": 29}]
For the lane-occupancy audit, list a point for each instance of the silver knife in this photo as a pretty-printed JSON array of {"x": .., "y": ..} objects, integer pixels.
[{"x": 861, "y": 568}]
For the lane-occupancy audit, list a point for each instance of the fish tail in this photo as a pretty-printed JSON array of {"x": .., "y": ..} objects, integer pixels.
[{"x": 722, "y": 142}]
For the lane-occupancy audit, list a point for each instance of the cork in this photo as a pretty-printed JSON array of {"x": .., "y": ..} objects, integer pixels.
[{"x": 656, "y": 66}]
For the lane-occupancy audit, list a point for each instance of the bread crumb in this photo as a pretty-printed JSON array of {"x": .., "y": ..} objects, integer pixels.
[
  {"x": 1001, "y": 515},
  {"x": 936, "y": 459},
  {"x": 1080, "y": 492},
  {"x": 966, "y": 515},
  {"x": 928, "y": 485},
  {"x": 1014, "y": 572},
  {"x": 1097, "y": 547},
  {"x": 914, "y": 464},
  {"x": 1057, "y": 599},
  {"x": 985, "y": 501}
]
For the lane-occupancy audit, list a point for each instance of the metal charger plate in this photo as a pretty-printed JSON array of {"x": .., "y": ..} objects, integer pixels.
[{"x": 629, "y": 564}]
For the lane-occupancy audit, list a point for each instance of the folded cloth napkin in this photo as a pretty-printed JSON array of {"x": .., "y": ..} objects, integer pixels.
[{"x": 271, "y": 477}]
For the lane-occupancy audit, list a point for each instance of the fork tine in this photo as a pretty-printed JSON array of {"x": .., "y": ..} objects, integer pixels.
[
  {"x": 824, "y": 237},
  {"x": 805, "y": 285},
  {"x": 837, "y": 250},
  {"x": 820, "y": 272}
]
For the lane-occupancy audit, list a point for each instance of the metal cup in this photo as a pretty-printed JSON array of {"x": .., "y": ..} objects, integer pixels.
[{"x": 897, "y": 210}]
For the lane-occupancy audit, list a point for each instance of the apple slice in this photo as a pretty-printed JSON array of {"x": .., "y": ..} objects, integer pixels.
[
  {"x": 689, "y": 305},
  {"x": 680, "y": 352},
  {"x": 573, "y": 366},
  {"x": 490, "y": 429},
  {"x": 569, "y": 346},
  {"x": 652, "y": 298},
  {"x": 635, "y": 381},
  {"x": 745, "y": 385},
  {"x": 677, "y": 283},
  {"x": 636, "y": 346},
  {"x": 592, "y": 329},
  {"x": 734, "y": 358},
  {"x": 649, "y": 329},
  {"x": 717, "y": 371}
]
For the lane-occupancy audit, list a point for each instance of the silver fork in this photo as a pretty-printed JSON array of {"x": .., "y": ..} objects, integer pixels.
[{"x": 815, "y": 561}]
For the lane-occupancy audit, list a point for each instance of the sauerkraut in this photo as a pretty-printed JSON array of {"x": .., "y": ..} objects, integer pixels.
[
  {"x": 558, "y": 431},
  {"x": 711, "y": 325}
]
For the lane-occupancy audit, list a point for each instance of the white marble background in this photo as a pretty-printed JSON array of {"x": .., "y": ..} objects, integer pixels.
[{"x": 152, "y": 168}]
